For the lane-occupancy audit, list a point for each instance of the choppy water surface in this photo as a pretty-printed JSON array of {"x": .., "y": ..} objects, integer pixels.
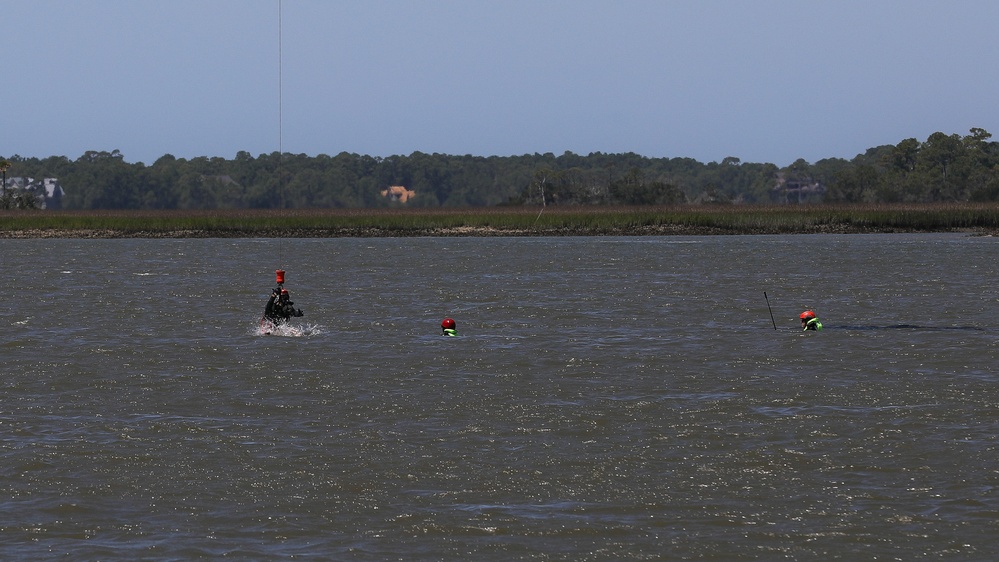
[{"x": 608, "y": 398}]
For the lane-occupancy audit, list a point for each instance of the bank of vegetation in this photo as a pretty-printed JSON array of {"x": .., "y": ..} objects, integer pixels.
[
  {"x": 944, "y": 168},
  {"x": 507, "y": 221}
]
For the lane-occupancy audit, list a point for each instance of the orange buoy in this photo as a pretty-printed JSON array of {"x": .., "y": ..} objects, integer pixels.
[{"x": 279, "y": 273}]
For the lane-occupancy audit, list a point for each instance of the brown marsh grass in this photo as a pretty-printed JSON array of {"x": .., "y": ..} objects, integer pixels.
[{"x": 505, "y": 221}]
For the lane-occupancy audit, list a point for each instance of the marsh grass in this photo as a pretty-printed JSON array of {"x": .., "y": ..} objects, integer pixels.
[{"x": 729, "y": 219}]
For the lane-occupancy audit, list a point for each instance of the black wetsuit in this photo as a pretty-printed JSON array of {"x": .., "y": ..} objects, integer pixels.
[
  {"x": 278, "y": 310},
  {"x": 271, "y": 311}
]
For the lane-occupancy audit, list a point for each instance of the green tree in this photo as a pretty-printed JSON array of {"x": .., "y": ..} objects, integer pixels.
[
  {"x": 855, "y": 184},
  {"x": 938, "y": 169},
  {"x": 4, "y": 166}
]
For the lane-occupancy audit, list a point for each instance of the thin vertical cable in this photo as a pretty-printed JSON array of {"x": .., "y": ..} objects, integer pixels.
[
  {"x": 280, "y": 170},
  {"x": 280, "y": 86}
]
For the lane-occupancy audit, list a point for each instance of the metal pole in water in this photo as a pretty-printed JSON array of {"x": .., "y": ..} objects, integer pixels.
[{"x": 770, "y": 309}]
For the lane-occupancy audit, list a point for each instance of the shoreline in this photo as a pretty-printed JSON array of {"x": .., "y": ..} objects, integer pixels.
[
  {"x": 981, "y": 219},
  {"x": 465, "y": 232}
]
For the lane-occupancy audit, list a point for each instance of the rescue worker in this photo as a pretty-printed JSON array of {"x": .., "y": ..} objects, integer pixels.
[
  {"x": 279, "y": 308},
  {"x": 809, "y": 321},
  {"x": 288, "y": 309},
  {"x": 448, "y": 327}
]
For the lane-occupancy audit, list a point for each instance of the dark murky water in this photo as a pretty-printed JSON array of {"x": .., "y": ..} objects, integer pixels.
[{"x": 608, "y": 398}]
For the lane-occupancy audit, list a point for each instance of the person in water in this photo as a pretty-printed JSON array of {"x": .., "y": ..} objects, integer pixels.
[
  {"x": 280, "y": 308},
  {"x": 809, "y": 321},
  {"x": 448, "y": 327},
  {"x": 287, "y": 308}
]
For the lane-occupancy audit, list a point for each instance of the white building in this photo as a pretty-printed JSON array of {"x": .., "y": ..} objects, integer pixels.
[{"x": 48, "y": 191}]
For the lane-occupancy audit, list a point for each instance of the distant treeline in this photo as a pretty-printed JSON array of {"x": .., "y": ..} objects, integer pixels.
[{"x": 943, "y": 168}]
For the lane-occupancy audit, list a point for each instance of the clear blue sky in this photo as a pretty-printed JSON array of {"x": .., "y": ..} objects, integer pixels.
[{"x": 763, "y": 81}]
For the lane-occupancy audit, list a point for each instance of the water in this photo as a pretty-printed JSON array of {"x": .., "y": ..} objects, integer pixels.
[{"x": 608, "y": 398}]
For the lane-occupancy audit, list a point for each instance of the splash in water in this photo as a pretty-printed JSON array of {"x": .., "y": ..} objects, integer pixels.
[{"x": 287, "y": 330}]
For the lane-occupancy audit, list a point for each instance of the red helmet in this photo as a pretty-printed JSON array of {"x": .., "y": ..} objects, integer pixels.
[
  {"x": 284, "y": 291},
  {"x": 807, "y": 315},
  {"x": 447, "y": 324}
]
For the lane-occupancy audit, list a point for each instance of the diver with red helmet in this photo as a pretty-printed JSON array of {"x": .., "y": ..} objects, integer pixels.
[
  {"x": 279, "y": 308},
  {"x": 809, "y": 321}
]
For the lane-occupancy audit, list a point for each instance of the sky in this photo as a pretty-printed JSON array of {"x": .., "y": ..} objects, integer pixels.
[{"x": 763, "y": 81}]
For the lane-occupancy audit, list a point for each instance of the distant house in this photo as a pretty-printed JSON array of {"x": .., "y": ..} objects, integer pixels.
[
  {"x": 398, "y": 193},
  {"x": 19, "y": 183},
  {"x": 797, "y": 186},
  {"x": 53, "y": 194},
  {"x": 48, "y": 192}
]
